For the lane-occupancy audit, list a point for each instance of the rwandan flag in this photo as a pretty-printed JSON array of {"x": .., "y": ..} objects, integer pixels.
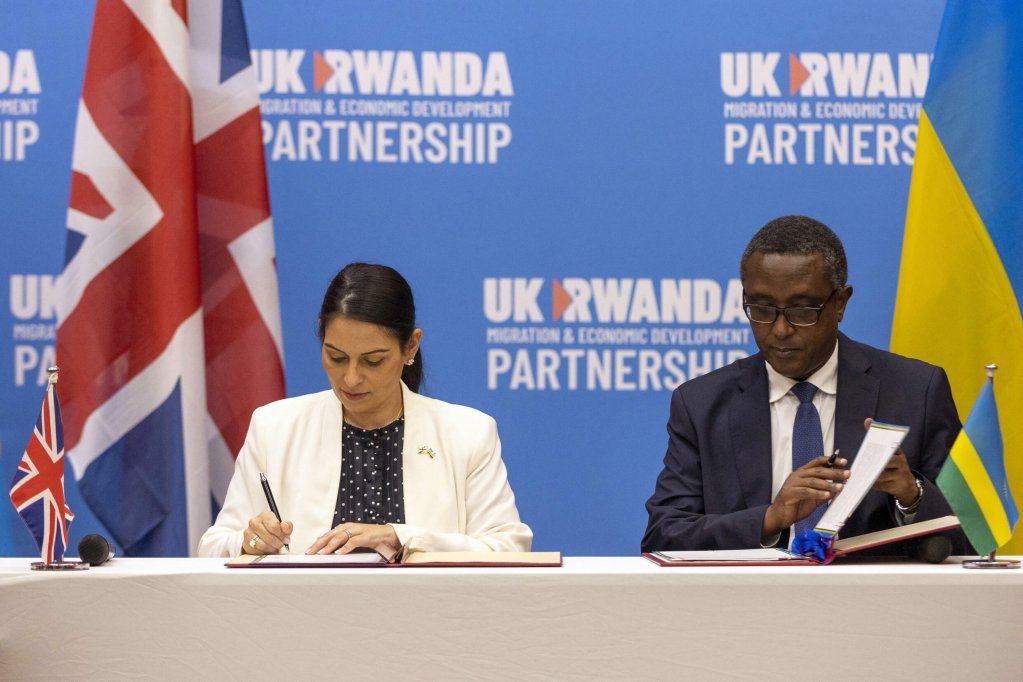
[
  {"x": 961, "y": 280},
  {"x": 974, "y": 481}
]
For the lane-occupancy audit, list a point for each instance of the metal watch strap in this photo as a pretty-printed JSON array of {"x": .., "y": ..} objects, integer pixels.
[{"x": 913, "y": 507}]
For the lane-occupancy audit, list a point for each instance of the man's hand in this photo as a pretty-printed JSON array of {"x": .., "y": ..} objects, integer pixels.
[
  {"x": 803, "y": 491},
  {"x": 897, "y": 478}
]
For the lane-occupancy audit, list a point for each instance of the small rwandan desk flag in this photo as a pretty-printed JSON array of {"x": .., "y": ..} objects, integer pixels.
[
  {"x": 973, "y": 478},
  {"x": 961, "y": 279}
]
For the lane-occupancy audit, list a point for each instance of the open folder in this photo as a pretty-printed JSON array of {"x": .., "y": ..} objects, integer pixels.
[
  {"x": 410, "y": 559},
  {"x": 773, "y": 556}
]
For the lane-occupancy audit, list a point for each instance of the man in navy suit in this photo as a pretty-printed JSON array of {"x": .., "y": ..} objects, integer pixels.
[{"x": 728, "y": 479}]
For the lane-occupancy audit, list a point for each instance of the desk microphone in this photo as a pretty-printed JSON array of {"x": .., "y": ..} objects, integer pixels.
[
  {"x": 95, "y": 550},
  {"x": 931, "y": 549}
]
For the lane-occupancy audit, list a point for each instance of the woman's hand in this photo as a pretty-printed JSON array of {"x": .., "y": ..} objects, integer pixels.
[
  {"x": 266, "y": 535},
  {"x": 346, "y": 537}
]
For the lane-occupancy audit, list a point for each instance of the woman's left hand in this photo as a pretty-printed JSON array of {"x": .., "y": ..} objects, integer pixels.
[{"x": 347, "y": 537}]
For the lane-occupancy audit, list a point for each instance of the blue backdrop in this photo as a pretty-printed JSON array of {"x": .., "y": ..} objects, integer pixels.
[{"x": 567, "y": 186}]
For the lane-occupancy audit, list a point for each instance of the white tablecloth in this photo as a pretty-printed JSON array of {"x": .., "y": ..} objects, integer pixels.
[{"x": 621, "y": 618}]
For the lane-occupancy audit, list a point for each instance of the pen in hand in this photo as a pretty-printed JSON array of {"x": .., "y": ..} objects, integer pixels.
[
  {"x": 270, "y": 500},
  {"x": 831, "y": 463}
]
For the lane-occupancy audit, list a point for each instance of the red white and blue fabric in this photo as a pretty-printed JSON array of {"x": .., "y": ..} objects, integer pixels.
[
  {"x": 169, "y": 326},
  {"x": 37, "y": 490}
]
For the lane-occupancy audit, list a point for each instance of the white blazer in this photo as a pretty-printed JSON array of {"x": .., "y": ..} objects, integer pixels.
[{"x": 456, "y": 500}]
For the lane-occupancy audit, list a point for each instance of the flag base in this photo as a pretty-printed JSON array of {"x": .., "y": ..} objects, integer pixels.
[
  {"x": 60, "y": 566},
  {"x": 991, "y": 562}
]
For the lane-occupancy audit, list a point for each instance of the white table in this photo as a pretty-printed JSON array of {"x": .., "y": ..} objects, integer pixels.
[{"x": 620, "y": 618}]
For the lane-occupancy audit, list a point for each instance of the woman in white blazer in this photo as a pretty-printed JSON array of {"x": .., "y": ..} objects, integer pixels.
[{"x": 370, "y": 464}]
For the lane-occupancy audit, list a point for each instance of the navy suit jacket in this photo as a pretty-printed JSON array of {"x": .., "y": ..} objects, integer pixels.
[{"x": 716, "y": 483}]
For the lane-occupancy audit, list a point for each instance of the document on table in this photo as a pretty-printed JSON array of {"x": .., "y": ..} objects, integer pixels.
[
  {"x": 306, "y": 560},
  {"x": 719, "y": 555},
  {"x": 880, "y": 443},
  {"x": 412, "y": 558},
  {"x": 773, "y": 556}
]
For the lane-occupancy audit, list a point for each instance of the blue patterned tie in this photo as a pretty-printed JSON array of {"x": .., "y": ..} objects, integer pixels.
[{"x": 807, "y": 441}]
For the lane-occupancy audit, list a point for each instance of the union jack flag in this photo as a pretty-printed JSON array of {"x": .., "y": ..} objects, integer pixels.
[
  {"x": 169, "y": 327},
  {"x": 37, "y": 490}
]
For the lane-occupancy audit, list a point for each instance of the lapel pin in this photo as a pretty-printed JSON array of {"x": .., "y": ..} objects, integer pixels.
[{"x": 427, "y": 451}]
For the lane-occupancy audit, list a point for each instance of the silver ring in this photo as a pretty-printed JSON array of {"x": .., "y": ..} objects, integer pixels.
[
  {"x": 252, "y": 541},
  {"x": 349, "y": 533}
]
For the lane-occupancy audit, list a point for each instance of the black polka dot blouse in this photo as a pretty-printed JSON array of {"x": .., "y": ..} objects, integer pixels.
[{"x": 372, "y": 486}]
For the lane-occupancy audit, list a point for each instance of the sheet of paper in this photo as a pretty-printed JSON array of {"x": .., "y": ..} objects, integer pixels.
[
  {"x": 766, "y": 554},
  {"x": 877, "y": 448},
  {"x": 320, "y": 559}
]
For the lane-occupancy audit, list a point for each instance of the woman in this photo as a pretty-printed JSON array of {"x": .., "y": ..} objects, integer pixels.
[{"x": 370, "y": 464}]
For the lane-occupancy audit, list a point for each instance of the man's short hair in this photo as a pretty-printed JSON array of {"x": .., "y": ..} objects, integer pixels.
[{"x": 798, "y": 235}]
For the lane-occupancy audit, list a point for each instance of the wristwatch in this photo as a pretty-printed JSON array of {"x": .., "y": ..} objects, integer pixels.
[{"x": 911, "y": 509}]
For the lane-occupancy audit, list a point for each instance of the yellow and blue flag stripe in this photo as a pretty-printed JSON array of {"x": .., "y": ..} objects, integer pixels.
[
  {"x": 961, "y": 276},
  {"x": 974, "y": 481}
]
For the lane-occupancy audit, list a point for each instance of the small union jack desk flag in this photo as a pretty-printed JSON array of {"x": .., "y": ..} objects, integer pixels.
[{"x": 37, "y": 490}]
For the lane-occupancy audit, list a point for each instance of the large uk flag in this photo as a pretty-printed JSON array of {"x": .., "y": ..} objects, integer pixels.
[{"x": 169, "y": 327}]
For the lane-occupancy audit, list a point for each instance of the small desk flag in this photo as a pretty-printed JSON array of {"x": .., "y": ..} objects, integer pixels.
[
  {"x": 974, "y": 481},
  {"x": 37, "y": 490}
]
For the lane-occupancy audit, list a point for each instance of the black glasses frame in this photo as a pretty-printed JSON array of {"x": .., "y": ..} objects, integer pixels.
[{"x": 818, "y": 309}]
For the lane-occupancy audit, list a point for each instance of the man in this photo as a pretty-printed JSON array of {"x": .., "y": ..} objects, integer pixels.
[{"x": 729, "y": 479}]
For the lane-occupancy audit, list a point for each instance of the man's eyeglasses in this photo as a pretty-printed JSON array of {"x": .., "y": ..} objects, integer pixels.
[{"x": 797, "y": 315}]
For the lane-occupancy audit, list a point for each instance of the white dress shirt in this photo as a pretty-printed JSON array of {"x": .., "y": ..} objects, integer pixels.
[{"x": 783, "y": 415}]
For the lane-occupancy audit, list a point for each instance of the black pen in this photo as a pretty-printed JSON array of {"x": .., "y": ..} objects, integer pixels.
[
  {"x": 270, "y": 499},
  {"x": 831, "y": 463}
]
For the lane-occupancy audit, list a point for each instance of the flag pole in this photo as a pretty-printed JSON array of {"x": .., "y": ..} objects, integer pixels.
[
  {"x": 58, "y": 563},
  {"x": 990, "y": 561}
]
